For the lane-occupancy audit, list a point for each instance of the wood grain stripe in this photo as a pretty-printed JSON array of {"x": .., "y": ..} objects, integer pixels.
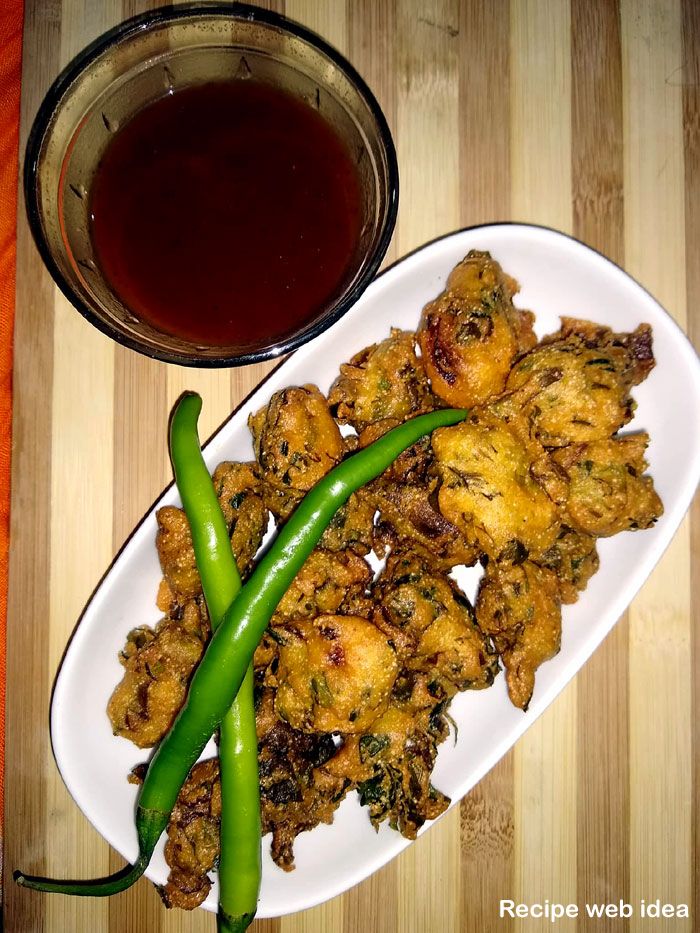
[
  {"x": 659, "y": 656},
  {"x": 487, "y": 822},
  {"x": 690, "y": 28},
  {"x": 28, "y": 678},
  {"x": 603, "y": 714}
]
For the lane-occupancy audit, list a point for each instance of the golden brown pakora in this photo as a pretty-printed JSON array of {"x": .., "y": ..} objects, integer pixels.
[
  {"x": 574, "y": 559},
  {"x": 327, "y": 581},
  {"x": 432, "y": 625},
  {"x": 385, "y": 382},
  {"x": 519, "y": 606},
  {"x": 192, "y": 846},
  {"x": 158, "y": 665},
  {"x": 239, "y": 491},
  {"x": 335, "y": 674},
  {"x": 391, "y": 765},
  {"x": 470, "y": 335},
  {"x": 574, "y": 386},
  {"x": 488, "y": 490},
  {"x": 351, "y": 526},
  {"x": 608, "y": 491},
  {"x": 296, "y": 442}
]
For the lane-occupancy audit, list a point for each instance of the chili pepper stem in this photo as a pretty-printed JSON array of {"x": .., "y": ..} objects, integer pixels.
[{"x": 111, "y": 885}]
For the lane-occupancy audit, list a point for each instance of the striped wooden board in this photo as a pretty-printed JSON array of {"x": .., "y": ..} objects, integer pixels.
[{"x": 580, "y": 114}]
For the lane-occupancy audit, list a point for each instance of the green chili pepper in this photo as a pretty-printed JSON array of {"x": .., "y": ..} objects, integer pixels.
[
  {"x": 222, "y": 668},
  {"x": 240, "y": 865}
]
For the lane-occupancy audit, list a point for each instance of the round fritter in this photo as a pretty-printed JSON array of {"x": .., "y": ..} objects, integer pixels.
[
  {"x": 574, "y": 387},
  {"x": 608, "y": 492},
  {"x": 326, "y": 581},
  {"x": 519, "y": 606},
  {"x": 471, "y": 333},
  {"x": 239, "y": 490},
  {"x": 159, "y": 663},
  {"x": 351, "y": 526},
  {"x": 487, "y": 488},
  {"x": 335, "y": 674},
  {"x": 432, "y": 624},
  {"x": 296, "y": 442},
  {"x": 574, "y": 559},
  {"x": 383, "y": 381}
]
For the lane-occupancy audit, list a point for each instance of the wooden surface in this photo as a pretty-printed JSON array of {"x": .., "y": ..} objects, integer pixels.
[{"x": 584, "y": 115}]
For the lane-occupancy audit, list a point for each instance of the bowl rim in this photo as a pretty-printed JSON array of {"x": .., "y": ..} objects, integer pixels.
[{"x": 161, "y": 16}]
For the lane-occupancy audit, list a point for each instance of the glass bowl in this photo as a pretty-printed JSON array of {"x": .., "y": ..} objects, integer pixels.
[{"x": 160, "y": 52}]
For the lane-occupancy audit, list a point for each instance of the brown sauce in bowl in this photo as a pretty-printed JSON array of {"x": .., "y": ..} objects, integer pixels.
[{"x": 226, "y": 214}]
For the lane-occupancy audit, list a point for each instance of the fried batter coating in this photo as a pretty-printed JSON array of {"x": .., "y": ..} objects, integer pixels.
[
  {"x": 297, "y": 788},
  {"x": 471, "y": 333},
  {"x": 608, "y": 492},
  {"x": 519, "y": 606},
  {"x": 392, "y": 764},
  {"x": 574, "y": 386},
  {"x": 487, "y": 488},
  {"x": 192, "y": 847},
  {"x": 405, "y": 497},
  {"x": 296, "y": 442},
  {"x": 326, "y": 581},
  {"x": 385, "y": 381},
  {"x": 176, "y": 554},
  {"x": 238, "y": 488},
  {"x": 158, "y": 665},
  {"x": 432, "y": 625},
  {"x": 574, "y": 559},
  {"x": 351, "y": 526},
  {"x": 239, "y": 491},
  {"x": 335, "y": 674}
]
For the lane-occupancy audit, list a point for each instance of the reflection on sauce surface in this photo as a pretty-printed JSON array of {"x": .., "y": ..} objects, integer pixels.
[{"x": 226, "y": 213}]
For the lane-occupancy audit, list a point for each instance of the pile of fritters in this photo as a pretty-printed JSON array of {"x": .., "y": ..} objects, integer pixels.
[{"x": 355, "y": 673}]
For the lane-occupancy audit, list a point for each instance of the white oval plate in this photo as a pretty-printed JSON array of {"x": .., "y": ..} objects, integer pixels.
[{"x": 558, "y": 276}]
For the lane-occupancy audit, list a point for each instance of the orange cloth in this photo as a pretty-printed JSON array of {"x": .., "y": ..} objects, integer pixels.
[{"x": 10, "y": 67}]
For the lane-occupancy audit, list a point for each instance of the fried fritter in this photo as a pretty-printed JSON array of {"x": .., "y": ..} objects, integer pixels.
[
  {"x": 296, "y": 442},
  {"x": 327, "y": 580},
  {"x": 176, "y": 554},
  {"x": 574, "y": 386},
  {"x": 335, "y": 674},
  {"x": 487, "y": 488},
  {"x": 608, "y": 492},
  {"x": 158, "y": 665},
  {"x": 351, "y": 526},
  {"x": 298, "y": 790},
  {"x": 392, "y": 764},
  {"x": 239, "y": 490},
  {"x": 471, "y": 333},
  {"x": 519, "y": 606},
  {"x": 405, "y": 497},
  {"x": 432, "y": 625},
  {"x": 574, "y": 559},
  {"x": 385, "y": 381},
  {"x": 192, "y": 846}
]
